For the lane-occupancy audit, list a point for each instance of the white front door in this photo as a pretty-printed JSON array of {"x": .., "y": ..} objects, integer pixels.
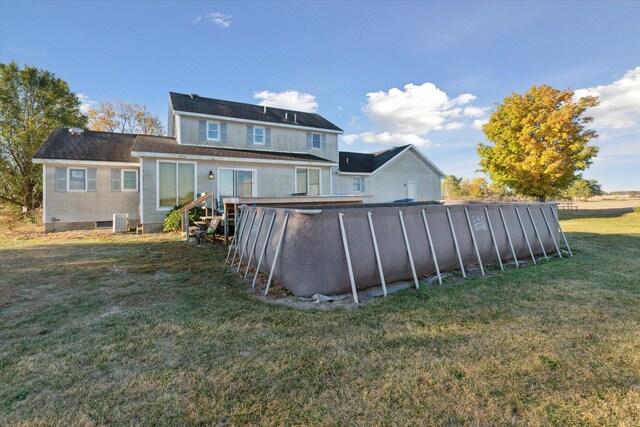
[{"x": 411, "y": 190}]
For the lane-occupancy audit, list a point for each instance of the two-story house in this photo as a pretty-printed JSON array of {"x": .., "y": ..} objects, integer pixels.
[{"x": 227, "y": 148}]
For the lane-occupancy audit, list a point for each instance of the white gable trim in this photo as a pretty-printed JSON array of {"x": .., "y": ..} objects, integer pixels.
[
  {"x": 419, "y": 153},
  {"x": 258, "y": 122}
]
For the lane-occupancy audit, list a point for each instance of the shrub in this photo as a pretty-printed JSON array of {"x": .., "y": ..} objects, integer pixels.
[
  {"x": 173, "y": 221},
  {"x": 637, "y": 210}
]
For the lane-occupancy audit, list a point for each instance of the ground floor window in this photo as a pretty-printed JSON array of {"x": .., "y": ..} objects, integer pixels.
[
  {"x": 235, "y": 183},
  {"x": 129, "y": 180},
  {"x": 77, "y": 179},
  {"x": 358, "y": 184},
  {"x": 308, "y": 181},
  {"x": 176, "y": 184}
]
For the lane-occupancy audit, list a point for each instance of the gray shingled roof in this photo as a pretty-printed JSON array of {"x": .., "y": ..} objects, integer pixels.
[
  {"x": 219, "y": 107},
  {"x": 89, "y": 145},
  {"x": 366, "y": 162},
  {"x": 117, "y": 147},
  {"x": 167, "y": 145}
]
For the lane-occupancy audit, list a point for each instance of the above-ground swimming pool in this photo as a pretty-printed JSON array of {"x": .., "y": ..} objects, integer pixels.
[{"x": 345, "y": 248}]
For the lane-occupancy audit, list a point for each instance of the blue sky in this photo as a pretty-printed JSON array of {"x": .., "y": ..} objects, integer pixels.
[{"x": 385, "y": 72}]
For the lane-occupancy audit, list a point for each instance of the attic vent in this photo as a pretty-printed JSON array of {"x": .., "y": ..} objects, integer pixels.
[
  {"x": 194, "y": 95},
  {"x": 347, "y": 160},
  {"x": 75, "y": 131},
  {"x": 295, "y": 118},
  {"x": 286, "y": 116}
]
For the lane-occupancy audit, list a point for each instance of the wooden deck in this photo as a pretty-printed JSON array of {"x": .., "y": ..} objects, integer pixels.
[{"x": 231, "y": 204}]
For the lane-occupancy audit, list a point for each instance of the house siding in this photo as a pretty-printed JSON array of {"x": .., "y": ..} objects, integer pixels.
[
  {"x": 388, "y": 184},
  {"x": 282, "y": 139},
  {"x": 272, "y": 180},
  {"x": 343, "y": 184},
  {"x": 82, "y": 209}
]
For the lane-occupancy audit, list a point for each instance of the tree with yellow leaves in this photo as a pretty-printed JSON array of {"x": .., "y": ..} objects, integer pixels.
[
  {"x": 125, "y": 118},
  {"x": 540, "y": 141}
]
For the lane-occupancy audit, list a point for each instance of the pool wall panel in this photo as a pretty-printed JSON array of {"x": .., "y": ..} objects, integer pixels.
[{"x": 312, "y": 256}]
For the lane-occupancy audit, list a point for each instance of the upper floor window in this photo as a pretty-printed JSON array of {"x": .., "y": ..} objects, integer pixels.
[
  {"x": 258, "y": 135},
  {"x": 316, "y": 140},
  {"x": 213, "y": 131}
]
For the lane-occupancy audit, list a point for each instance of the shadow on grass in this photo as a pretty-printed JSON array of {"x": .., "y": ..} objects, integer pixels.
[{"x": 594, "y": 213}]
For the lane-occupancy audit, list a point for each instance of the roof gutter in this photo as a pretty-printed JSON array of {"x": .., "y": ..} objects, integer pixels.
[
  {"x": 354, "y": 173},
  {"x": 84, "y": 162},
  {"x": 229, "y": 159}
]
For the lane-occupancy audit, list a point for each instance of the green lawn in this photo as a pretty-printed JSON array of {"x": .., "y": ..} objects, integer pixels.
[{"x": 121, "y": 330}]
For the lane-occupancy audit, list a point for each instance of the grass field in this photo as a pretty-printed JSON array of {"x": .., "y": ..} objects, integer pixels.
[{"x": 99, "y": 329}]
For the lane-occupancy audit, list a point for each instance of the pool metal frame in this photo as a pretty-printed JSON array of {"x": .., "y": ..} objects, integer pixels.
[{"x": 248, "y": 227}]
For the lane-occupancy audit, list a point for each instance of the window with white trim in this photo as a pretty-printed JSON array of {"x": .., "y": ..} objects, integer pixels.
[
  {"x": 308, "y": 181},
  {"x": 258, "y": 135},
  {"x": 176, "y": 184},
  {"x": 357, "y": 184},
  {"x": 129, "y": 180},
  {"x": 77, "y": 179},
  {"x": 316, "y": 140},
  {"x": 213, "y": 131}
]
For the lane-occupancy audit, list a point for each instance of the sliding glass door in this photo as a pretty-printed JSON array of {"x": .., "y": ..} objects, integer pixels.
[
  {"x": 308, "y": 181},
  {"x": 176, "y": 184},
  {"x": 235, "y": 183}
]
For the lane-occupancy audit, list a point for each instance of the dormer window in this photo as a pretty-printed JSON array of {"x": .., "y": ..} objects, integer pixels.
[
  {"x": 213, "y": 131},
  {"x": 316, "y": 140},
  {"x": 258, "y": 135}
]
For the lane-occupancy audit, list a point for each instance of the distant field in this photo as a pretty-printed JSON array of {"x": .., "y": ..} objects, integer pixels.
[{"x": 121, "y": 330}]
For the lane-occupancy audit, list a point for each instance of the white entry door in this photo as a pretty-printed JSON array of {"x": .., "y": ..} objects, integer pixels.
[{"x": 411, "y": 190}]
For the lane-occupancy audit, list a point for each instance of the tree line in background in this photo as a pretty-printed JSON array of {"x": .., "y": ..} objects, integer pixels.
[{"x": 480, "y": 188}]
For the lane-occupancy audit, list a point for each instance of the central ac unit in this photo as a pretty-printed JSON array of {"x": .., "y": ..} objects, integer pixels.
[{"x": 120, "y": 223}]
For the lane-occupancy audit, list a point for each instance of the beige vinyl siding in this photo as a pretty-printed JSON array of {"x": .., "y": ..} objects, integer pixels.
[
  {"x": 272, "y": 180},
  {"x": 388, "y": 183},
  {"x": 282, "y": 139},
  {"x": 343, "y": 184},
  {"x": 88, "y": 206}
]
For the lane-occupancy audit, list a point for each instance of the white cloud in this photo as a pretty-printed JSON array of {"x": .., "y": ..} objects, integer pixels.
[
  {"x": 85, "y": 103},
  {"x": 453, "y": 125},
  {"x": 418, "y": 109},
  {"x": 478, "y": 123},
  {"x": 216, "y": 18},
  {"x": 619, "y": 102},
  {"x": 407, "y": 115},
  {"x": 289, "y": 99},
  {"x": 472, "y": 111},
  {"x": 386, "y": 138}
]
